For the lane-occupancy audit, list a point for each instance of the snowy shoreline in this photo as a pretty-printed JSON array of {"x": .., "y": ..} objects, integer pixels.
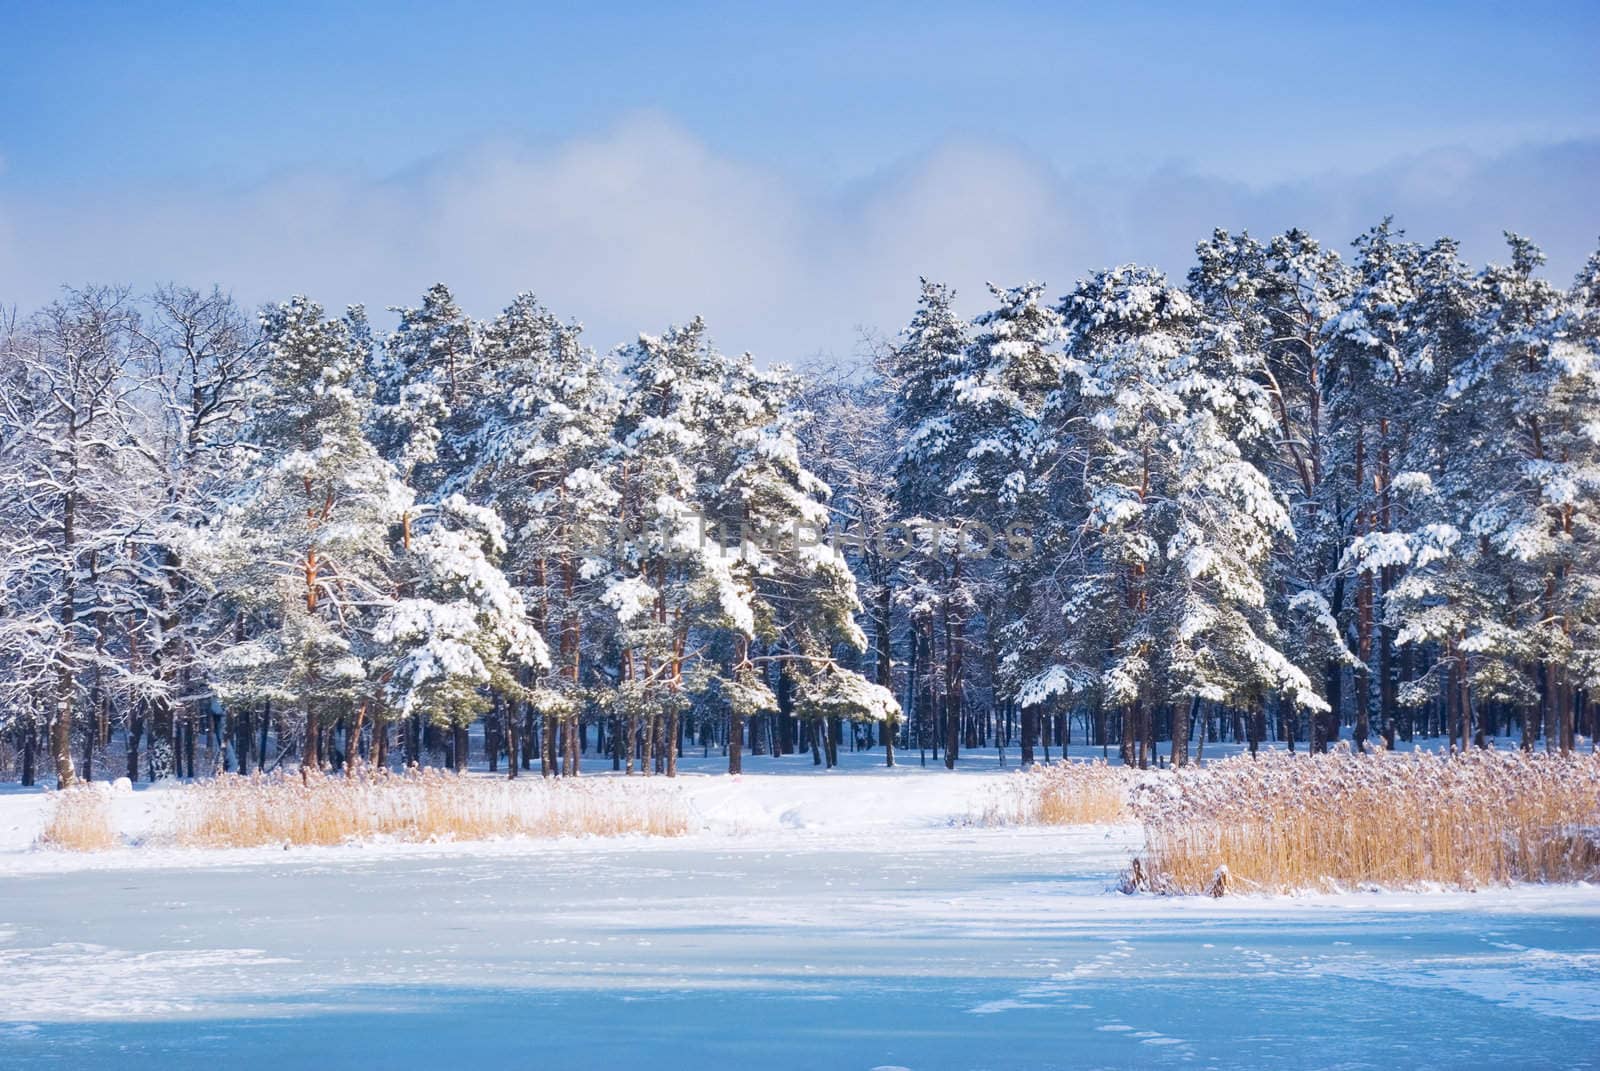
[
  {"x": 860, "y": 808},
  {"x": 847, "y": 810},
  {"x": 849, "y": 919}
]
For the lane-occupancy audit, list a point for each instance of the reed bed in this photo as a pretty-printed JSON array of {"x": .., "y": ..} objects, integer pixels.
[
  {"x": 416, "y": 805},
  {"x": 1286, "y": 823},
  {"x": 1064, "y": 794},
  {"x": 80, "y": 821}
]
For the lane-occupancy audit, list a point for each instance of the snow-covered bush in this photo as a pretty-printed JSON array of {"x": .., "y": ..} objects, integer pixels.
[
  {"x": 80, "y": 820},
  {"x": 1284, "y": 823},
  {"x": 1064, "y": 794},
  {"x": 418, "y": 805}
]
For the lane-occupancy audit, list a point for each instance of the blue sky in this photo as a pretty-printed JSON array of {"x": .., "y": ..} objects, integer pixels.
[{"x": 788, "y": 171}]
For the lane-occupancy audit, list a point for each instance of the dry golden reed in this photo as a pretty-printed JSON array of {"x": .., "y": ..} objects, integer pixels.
[
  {"x": 80, "y": 821},
  {"x": 1064, "y": 794},
  {"x": 1288, "y": 823},
  {"x": 417, "y": 805}
]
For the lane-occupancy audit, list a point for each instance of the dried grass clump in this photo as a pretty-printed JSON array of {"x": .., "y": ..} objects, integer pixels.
[
  {"x": 80, "y": 821},
  {"x": 418, "y": 805},
  {"x": 1065, "y": 794},
  {"x": 1285, "y": 823}
]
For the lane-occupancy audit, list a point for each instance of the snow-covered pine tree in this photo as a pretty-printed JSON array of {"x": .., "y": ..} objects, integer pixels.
[
  {"x": 1368, "y": 386},
  {"x": 464, "y": 639},
  {"x": 1548, "y": 506},
  {"x": 1575, "y": 349},
  {"x": 426, "y": 376},
  {"x": 852, "y": 446},
  {"x": 723, "y": 544},
  {"x": 1510, "y": 500},
  {"x": 1124, "y": 327},
  {"x": 667, "y": 575},
  {"x": 1179, "y": 525},
  {"x": 543, "y": 460},
  {"x": 798, "y": 585},
  {"x": 1278, "y": 301},
  {"x": 922, "y": 369},
  {"x": 306, "y": 550},
  {"x": 1452, "y": 623},
  {"x": 438, "y": 398},
  {"x": 1012, "y": 368}
]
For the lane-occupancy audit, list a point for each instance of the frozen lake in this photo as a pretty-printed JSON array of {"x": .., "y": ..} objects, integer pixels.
[{"x": 820, "y": 943}]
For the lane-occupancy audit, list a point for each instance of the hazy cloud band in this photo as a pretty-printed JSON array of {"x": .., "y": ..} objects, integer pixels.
[{"x": 646, "y": 225}]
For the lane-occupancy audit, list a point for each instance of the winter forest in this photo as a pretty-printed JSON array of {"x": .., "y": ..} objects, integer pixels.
[
  {"x": 864, "y": 537},
  {"x": 1308, "y": 493}
]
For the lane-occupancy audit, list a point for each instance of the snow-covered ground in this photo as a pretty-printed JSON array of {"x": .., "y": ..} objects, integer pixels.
[{"x": 841, "y": 919}]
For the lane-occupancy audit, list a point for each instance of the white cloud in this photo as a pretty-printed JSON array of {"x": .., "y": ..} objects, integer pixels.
[{"x": 645, "y": 224}]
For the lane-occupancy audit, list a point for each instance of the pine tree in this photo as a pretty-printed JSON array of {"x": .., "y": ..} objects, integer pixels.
[
  {"x": 1506, "y": 505},
  {"x": 1012, "y": 369},
  {"x": 667, "y": 575},
  {"x": 307, "y": 547},
  {"x": 543, "y": 459},
  {"x": 802, "y": 593},
  {"x": 853, "y": 447},
  {"x": 924, "y": 369},
  {"x": 466, "y": 635},
  {"x": 426, "y": 376},
  {"x": 1179, "y": 525},
  {"x": 1279, "y": 302}
]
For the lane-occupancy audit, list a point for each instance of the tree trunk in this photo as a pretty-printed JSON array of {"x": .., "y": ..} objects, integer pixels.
[
  {"x": 925, "y": 693},
  {"x": 547, "y": 752},
  {"x": 91, "y": 731},
  {"x": 135, "y": 728},
  {"x": 671, "y": 743},
  {"x": 1180, "y": 732},
  {"x": 30, "y": 753},
  {"x": 954, "y": 627},
  {"x": 61, "y": 723},
  {"x": 1388, "y": 676},
  {"x": 309, "y": 757},
  {"x": 61, "y": 729},
  {"x": 735, "y": 742},
  {"x": 882, "y": 624},
  {"x": 513, "y": 743},
  {"x": 1361, "y": 682},
  {"x": 266, "y": 727}
]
